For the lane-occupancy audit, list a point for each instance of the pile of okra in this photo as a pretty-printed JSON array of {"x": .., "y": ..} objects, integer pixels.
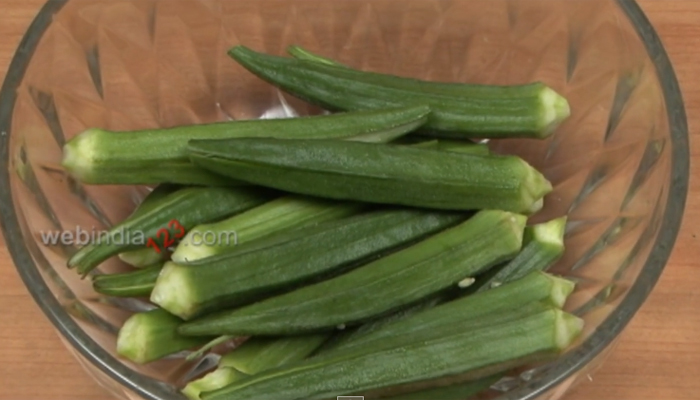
[{"x": 380, "y": 249}]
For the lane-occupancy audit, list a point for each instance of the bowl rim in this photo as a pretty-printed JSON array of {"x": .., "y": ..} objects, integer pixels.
[{"x": 562, "y": 369}]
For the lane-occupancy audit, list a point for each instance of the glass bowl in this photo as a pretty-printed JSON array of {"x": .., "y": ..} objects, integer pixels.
[{"x": 619, "y": 164}]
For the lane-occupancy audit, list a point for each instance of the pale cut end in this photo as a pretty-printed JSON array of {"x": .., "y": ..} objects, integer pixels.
[
  {"x": 560, "y": 291},
  {"x": 534, "y": 187},
  {"x": 551, "y": 232},
  {"x": 518, "y": 222},
  {"x": 131, "y": 340},
  {"x": 567, "y": 328},
  {"x": 214, "y": 380},
  {"x": 79, "y": 155},
  {"x": 172, "y": 291},
  {"x": 536, "y": 206},
  {"x": 554, "y": 110},
  {"x": 191, "y": 249}
]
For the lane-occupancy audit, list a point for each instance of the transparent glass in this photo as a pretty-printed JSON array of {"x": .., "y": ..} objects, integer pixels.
[{"x": 619, "y": 164}]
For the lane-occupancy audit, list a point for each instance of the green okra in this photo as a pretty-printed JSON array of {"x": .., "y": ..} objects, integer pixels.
[
  {"x": 401, "y": 175},
  {"x": 543, "y": 246},
  {"x": 340, "y": 339},
  {"x": 260, "y": 354},
  {"x": 138, "y": 283},
  {"x": 154, "y": 156},
  {"x": 217, "y": 379},
  {"x": 142, "y": 258},
  {"x": 257, "y": 228},
  {"x": 305, "y": 256},
  {"x": 254, "y": 356},
  {"x": 179, "y": 211},
  {"x": 456, "y": 90},
  {"x": 535, "y": 293},
  {"x": 151, "y": 335},
  {"x": 284, "y": 213},
  {"x": 534, "y": 288},
  {"x": 462, "y": 110},
  {"x": 464, "y": 355},
  {"x": 380, "y": 287}
]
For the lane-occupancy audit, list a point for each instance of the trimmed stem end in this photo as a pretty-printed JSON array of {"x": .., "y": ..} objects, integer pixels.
[
  {"x": 79, "y": 155},
  {"x": 551, "y": 232},
  {"x": 130, "y": 340},
  {"x": 555, "y": 109},
  {"x": 172, "y": 291},
  {"x": 561, "y": 290},
  {"x": 568, "y": 327}
]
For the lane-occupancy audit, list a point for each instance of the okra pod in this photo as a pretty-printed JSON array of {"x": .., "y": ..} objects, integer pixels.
[
  {"x": 217, "y": 379},
  {"x": 543, "y": 245},
  {"x": 456, "y": 90},
  {"x": 351, "y": 334},
  {"x": 287, "y": 212},
  {"x": 464, "y": 110},
  {"x": 468, "y": 354},
  {"x": 379, "y": 287},
  {"x": 536, "y": 287},
  {"x": 257, "y": 355},
  {"x": 137, "y": 283},
  {"x": 255, "y": 229},
  {"x": 401, "y": 175},
  {"x": 152, "y": 335},
  {"x": 309, "y": 254},
  {"x": 254, "y": 356},
  {"x": 169, "y": 220},
  {"x": 152, "y": 199},
  {"x": 277, "y": 215},
  {"x": 98, "y": 156},
  {"x": 142, "y": 258}
]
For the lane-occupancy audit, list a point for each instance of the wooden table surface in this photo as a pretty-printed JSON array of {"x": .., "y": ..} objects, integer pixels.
[{"x": 659, "y": 354}]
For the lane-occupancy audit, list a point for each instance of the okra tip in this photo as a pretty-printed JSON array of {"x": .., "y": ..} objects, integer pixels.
[
  {"x": 130, "y": 343},
  {"x": 79, "y": 154},
  {"x": 551, "y": 232},
  {"x": 83, "y": 260},
  {"x": 534, "y": 187},
  {"x": 554, "y": 110},
  {"x": 239, "y": 51},
  {"x": 568, "y": 327},
  {"x": 518, "y": 222},
  {"x": 172, "y": 291},
  {"x": 560, "y": 291}
]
